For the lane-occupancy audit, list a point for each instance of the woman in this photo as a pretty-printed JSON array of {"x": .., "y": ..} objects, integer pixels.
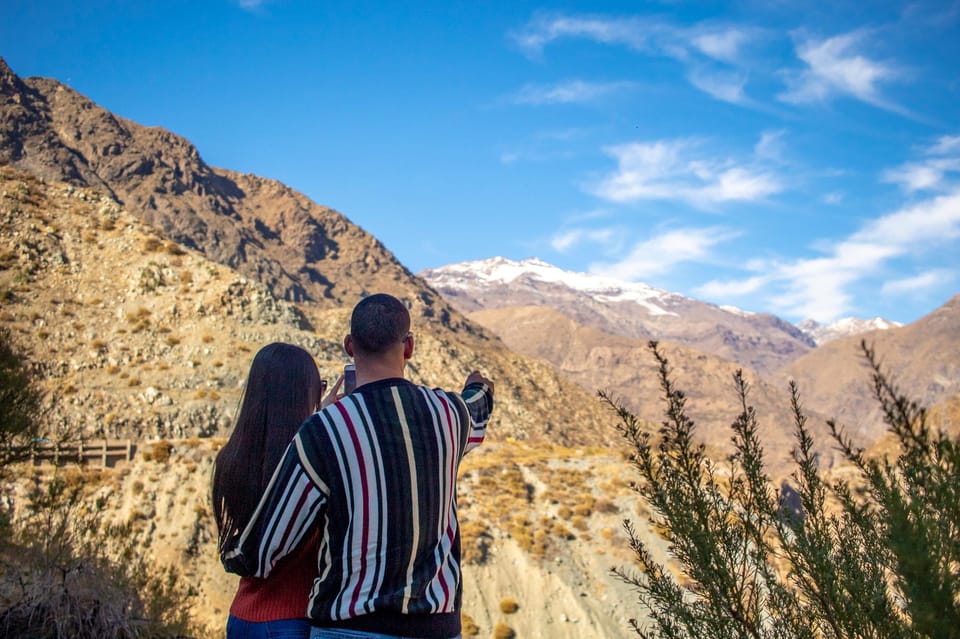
[{"x": 282, "y": 390}]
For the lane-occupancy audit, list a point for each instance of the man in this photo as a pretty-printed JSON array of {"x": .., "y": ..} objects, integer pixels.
[{"x": 376, "y": 473}]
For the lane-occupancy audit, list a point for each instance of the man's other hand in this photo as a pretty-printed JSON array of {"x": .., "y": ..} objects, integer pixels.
[{"x": 477, "y": 377}]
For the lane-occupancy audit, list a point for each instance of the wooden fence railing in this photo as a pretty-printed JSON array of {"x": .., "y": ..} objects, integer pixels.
[{"x": 105, "y": 453}]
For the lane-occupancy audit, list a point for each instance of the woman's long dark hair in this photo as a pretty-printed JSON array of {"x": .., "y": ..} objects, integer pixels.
[{"x": 282, "y": 390}]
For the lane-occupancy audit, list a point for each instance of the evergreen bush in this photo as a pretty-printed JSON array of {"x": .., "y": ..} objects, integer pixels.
[
  {"x": 20, "y": 405},
  {"x": 873, "y": 557}
]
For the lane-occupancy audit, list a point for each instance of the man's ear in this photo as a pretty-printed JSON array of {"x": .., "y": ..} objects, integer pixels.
[
  {"x": 348, "y": 344},
  {"x": 408, "y": 347}
]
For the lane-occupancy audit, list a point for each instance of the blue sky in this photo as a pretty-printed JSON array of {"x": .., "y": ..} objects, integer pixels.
[{"x": 791, "y": 157}]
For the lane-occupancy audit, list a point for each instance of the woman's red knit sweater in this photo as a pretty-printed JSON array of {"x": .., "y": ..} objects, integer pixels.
[{"x": 282, "y": 595}]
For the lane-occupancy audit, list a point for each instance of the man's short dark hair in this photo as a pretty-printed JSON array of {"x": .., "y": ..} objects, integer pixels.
[{"x": 378, "y": 322}]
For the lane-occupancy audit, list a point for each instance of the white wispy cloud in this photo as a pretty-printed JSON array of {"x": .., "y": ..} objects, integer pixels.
[
  {"x": 732, "y": 288},
  {"x": 931, "y": 172},
  {"x": 699, "y": 48},
  {"x": 510, "y": 157},
  {"x": 770, "y": 146},
  {"x": 661, "y": 253},
  {"x": 677, "y": 170},
  {"x": 918, "y": 284},
  {"x": 946, "y": 145},
  {"x": 724, "y": 44},
  {"x": 928, "y": 175},
  {"x": 819, "y": 287},
  {"x": 631, "y": 32},
  {"x": 567, "y": 239},
  {"x": 932, "y": 220},
  {"x": 534, "y": 154},
  {"x": 727, "y": 86},
  {"x": 569, "y": 92},
  {"x": 833, "y": 197},
  {"x": 838, "y": 66}
]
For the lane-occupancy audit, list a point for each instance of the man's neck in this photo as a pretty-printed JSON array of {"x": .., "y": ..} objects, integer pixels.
[{"x": 373, "y": 370}]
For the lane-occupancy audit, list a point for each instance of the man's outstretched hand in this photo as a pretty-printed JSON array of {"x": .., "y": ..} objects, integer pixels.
[{"x": 477, "y": 377}]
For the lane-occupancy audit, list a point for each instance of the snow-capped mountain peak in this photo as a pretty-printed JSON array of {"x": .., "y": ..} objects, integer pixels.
[
  {"x": 534, "y": 271},
  {"x": 845, "y": 327},
  {"x": 630, "y": 309}
]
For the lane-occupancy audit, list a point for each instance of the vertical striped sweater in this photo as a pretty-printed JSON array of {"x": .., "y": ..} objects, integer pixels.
[{"x": 376, "y": 473}]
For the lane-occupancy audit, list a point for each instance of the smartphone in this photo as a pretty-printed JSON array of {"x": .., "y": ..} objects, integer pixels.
[{"x": 349, "y": 378}]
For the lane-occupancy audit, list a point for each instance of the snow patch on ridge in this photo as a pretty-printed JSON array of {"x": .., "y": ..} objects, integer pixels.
[
  {"x": 823, "y": 333},
  {"x": 736, "y": 311},
  {"x": 499, "y": 270}
]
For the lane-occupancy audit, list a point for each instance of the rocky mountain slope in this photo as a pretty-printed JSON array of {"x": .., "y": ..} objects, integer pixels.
[
  {"x": 759, "y": 341},
  {"x": 625, "y": 368},
  {"x": 923, "y": 358},
  {"x": 136, "y": 336},
  {"x": 541, "y": 529},
  {"x": 263, "y": 229}
]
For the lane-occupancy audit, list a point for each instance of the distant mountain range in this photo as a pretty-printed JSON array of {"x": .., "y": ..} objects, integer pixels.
[
  {"x": 845, "y": 327},
  {"x": 593, "y": 329},
  {"x": 923, "y": 358},
  {"x": 761, "y": 341}
]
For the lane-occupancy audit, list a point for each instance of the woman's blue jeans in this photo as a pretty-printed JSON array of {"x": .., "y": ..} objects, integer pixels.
[
  {"x": 283, "y": 629},
  {"x": 343, "y": 633}
]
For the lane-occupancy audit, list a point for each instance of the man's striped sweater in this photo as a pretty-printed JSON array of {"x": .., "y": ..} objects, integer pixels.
[{"x": 376, "y": 472}]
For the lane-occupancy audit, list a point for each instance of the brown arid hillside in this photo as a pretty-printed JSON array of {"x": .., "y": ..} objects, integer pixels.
[
  {"x": 945, "y": 415},
  {"x": 261, "y": 228},
  {"x": 137, "y": 336},
  {"x": 922, "y": 359},
  {"x": 626, "y": 370},
  {"x": 942, "y": 417}
]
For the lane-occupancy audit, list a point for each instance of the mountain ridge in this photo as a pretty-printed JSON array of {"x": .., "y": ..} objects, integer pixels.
[
  {"x": 455, "y": 280},
  {"x": 844, "y": 327},
  {"x": 921, "y": 357},
  {"x": 510, "y": 298},
  {"x": 760, "y": 341},
  {"x": 259, "y": 226}
]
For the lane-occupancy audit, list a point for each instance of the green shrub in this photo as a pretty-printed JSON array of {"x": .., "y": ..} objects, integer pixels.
[
  {"x": 20, "y": 405},
  {"x": 882, "y": 562}
]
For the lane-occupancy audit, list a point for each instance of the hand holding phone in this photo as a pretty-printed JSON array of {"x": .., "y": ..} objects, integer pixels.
[{"x": 349, "y": 378}]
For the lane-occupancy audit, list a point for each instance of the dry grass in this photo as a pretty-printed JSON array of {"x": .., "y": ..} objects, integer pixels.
[
  {"x": 159, "y": 452},
  {"x": 540, "y": 496},
  {"x": 469, "y": 627}
]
